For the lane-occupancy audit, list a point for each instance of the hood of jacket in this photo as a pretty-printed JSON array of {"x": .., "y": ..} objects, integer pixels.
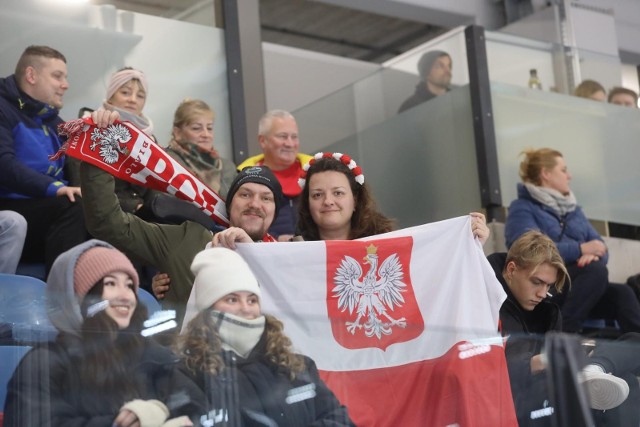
[
  {"x": 9, "y": 90},
  {"x": 523, "y": 193},
  {"x": 63, "y": 306}
]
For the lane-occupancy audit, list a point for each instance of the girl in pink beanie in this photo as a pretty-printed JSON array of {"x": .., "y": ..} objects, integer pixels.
[{"x": 100, "y": 370}]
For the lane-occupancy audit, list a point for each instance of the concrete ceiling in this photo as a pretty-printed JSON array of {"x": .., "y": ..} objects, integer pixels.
[{"x": 311, "y": 25}]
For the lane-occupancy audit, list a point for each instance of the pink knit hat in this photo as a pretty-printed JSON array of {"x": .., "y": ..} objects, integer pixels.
[
  {"x": 123, "y": 76},
  {"x": 96, "y": 263}
]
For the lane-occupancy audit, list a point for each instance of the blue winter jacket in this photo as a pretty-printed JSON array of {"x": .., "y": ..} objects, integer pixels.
[
  {"x": 27, "y": 138},
  {"x": 568, "y": 231}
]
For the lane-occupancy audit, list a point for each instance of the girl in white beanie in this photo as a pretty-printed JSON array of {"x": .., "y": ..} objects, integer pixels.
[
  {"x": 100, "y": 370},
  {"x": 242, "y": 359}
]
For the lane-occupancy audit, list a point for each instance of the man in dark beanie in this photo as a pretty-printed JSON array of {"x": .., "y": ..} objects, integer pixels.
[
  {"x": 434, "y": 68},
  {"x": 253, "y": 200}
]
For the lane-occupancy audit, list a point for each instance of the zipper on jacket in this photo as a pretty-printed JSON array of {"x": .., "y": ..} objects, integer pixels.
[{"x": 563, "y": 224}]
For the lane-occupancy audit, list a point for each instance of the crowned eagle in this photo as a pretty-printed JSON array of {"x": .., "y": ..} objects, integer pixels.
[
  {"x": 373, "y": 295},
  {"x": 112, "y": 142}
]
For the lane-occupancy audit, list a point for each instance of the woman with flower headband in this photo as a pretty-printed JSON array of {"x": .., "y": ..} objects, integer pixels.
[{"x": 336, "y": 203}]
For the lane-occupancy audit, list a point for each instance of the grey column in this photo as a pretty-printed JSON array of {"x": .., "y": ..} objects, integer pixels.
[{"x": 245, "y": 73}]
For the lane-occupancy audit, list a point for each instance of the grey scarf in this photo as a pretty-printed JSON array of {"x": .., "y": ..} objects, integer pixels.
[
  {"x": 554, "y": 199},
  {"x": 238, "y": 334},
  {"x": 142, "y": 122}
]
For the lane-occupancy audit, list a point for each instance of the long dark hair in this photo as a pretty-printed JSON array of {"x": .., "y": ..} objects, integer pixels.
[
  {"x": 365, "y": 221},
  {"x": 110, "y": 355},
  {"x": 200, "y": 347}
]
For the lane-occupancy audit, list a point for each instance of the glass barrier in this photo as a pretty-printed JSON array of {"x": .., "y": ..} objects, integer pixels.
[
  {"x": 598, "y": 141},
  {"x": 416, "y": 150},
  {"x": 180, "y": 59},
  {"x": 424, "y": 339},
  {"x": 420, "y": 165},
  {"x": 605, "y": 69},
  {"x": 375, "y": 98},
  {"x": 559, "y": 69},
  {"x": 511, "y": 58},
  {"x": 374, "y": 371}
]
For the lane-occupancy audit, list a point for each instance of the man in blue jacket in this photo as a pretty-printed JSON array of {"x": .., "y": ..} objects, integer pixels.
[{"x": 45, "y": 192}]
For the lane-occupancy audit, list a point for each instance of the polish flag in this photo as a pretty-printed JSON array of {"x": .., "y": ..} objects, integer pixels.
[{"x": 402, "y": 326}]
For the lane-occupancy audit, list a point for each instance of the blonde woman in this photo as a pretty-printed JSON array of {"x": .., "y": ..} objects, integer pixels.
[
  {"x": 546, "y": 203},
  {"x": 192, "y": 146}
]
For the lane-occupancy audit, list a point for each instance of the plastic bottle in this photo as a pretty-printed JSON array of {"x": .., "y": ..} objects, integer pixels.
[{"x": 534, "y": 81}]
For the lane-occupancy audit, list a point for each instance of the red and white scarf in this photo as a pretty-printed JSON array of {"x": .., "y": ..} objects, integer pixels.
[{"x": 128, "y": 153}]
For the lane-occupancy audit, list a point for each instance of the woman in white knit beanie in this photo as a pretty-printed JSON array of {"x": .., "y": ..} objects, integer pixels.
[{"x": 241, "y": 358}]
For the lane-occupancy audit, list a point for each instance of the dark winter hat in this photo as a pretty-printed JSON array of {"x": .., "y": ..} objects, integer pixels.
[
  {"x": 428, "y": 59},
  {"x": 259, "y": 175}
]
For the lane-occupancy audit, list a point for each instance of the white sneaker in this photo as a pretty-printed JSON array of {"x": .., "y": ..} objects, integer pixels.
[{"x": 605, "y": 391}]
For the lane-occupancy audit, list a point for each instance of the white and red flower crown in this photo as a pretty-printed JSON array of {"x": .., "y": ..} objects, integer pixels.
[{"x": 342, "y": 158}]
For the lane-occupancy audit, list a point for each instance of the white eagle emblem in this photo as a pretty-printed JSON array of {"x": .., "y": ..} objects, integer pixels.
[
  {"x": 369, "y": 296},
  {"x": 112, "y": 142}
]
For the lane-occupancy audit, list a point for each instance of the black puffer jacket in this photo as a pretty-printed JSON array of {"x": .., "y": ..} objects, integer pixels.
[
  {"x": 525, "y": 335},
  {"x": 255, "y": 392},
  {"x": 45, "y": 389}
]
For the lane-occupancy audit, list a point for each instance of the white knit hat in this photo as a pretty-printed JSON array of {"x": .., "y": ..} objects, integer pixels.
[{"x": 218, "y": 272}]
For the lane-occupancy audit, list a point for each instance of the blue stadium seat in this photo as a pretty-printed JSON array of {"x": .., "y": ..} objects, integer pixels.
[
  {"x": 23, "y": 313},
  {"x": 149, "y": 301},
  {"x": 34, "y": 269},
  {"x": 10, "y": 356}
]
